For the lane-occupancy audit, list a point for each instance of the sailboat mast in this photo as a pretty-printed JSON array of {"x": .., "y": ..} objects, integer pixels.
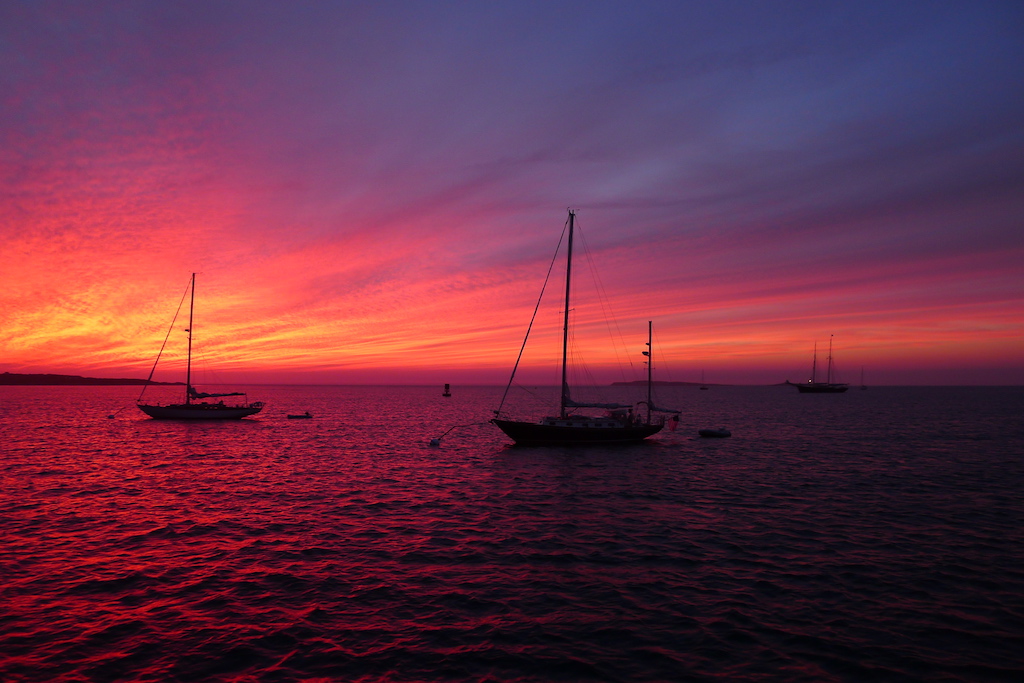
[
  {"x": 829, "y": 374},
  {"x": 188, "y": 364},
  {"x": 565, "y": 324},
  {"x": 814, "y": 364},
  {"x": 650, "y": 365}
]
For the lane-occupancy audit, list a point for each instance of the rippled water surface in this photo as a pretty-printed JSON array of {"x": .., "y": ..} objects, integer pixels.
[{"x": 873, "y": 535}]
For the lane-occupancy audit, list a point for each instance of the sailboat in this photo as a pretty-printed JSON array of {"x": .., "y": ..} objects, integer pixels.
[
  {"x": 195, "y": 406},
  {"x": 812, "y": 386},
  {"x": 622, "y": 423},
  {"x": 703, "y": 386}
]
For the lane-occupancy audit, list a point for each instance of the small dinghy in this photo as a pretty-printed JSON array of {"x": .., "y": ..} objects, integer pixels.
[
  {"x": 719, "y": 433},
  {"x": 304, "y": 416}
]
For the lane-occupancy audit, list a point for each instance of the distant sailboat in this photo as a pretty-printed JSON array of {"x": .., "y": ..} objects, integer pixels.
[
  {"x": 862, "y": 385},
  {"x": 812, "y": 386},
  {"x": 447, "y": 390},
  {"x": 703, "y": 387},
  {"x": 195, "y": 407},
  {"x": 621, "y": 424}
]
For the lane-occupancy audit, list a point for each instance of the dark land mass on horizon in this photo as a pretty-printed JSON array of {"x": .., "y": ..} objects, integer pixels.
[
  {"x": 48, "y": 379},
  {"x": 641, "y": 382},
  {"x": 16, "y": 379}
]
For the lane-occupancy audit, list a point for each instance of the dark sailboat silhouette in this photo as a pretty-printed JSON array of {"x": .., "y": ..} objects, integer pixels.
[
  {"x": 195, "y": 406},
  {"x": 622, "y": 423},
  {"x": 812, "y": 386}
]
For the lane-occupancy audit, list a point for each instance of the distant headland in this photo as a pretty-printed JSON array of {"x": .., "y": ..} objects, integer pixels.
[
  {"x": 12, "y": 378},
  {"x": 643, "y": 382},
  {"x": 639, "y": 382}
]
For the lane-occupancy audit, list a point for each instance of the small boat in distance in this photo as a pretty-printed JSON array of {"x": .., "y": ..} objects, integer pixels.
[
  {"x": 703, "y": 387},
  {"x": 195, "y": 406},
  {"x": 622, "y": 423},
  {"x": 447, "y": 390},
  {"x": 304, "y": 416},
  {"x": 812, "y": 386}
]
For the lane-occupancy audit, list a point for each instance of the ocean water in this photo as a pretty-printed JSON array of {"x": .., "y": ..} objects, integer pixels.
[{"x": 869, "y": 536}]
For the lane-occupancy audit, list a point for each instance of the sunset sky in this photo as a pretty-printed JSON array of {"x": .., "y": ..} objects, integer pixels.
[{"x": 372, "y": 192}]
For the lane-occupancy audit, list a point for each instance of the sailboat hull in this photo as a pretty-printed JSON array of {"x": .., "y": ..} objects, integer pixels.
[
  {"x": 821, "y": 388},
  {"x": 584, "y": 432},
  {"x": 200, "y": 411}
]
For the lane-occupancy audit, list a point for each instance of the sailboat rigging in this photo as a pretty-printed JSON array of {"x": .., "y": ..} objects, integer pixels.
[
  {"x": 195, "y": 407},
  {"x": 622, "y": 423},
  {"x": 812, "y": 386}
]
